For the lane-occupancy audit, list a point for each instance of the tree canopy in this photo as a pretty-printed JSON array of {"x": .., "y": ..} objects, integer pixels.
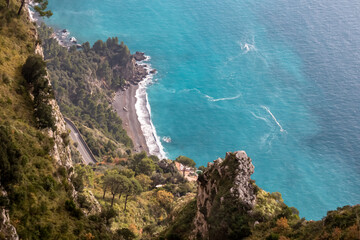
[{"x": 186, "y": 161}]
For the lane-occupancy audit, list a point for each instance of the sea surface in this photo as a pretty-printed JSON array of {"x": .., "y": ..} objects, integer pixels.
[{"x": 278, "y": 79}]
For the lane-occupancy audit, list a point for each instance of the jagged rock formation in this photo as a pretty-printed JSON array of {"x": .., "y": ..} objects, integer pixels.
[
  {"x": 224, "y": 181},
  {"x": 61, "y": 151},
  {"x": 7, "y": 230}
]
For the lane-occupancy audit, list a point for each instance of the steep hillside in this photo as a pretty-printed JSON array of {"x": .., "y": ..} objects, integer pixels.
[{"x": 37, "y": 195}]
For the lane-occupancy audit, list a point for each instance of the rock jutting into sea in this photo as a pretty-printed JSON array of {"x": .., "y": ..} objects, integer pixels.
[{"x": 139, "y": 56}]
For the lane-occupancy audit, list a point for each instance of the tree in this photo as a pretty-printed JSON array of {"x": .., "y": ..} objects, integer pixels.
[
  {"x": 125, "y": 233},
  {"x": 40, "y": 8},
  {"x": 165, "y": 198},
  {"x": 118, "y": 184},
  {"x": 146, "y": 166},
  {"x": 34, "y": 68},
  {"x": 282, "y": 225},
  {"x": 186, "y": 162},
  {"x": 134, "y": 189},
  {"x": 127, "y": 172},
  {"x": 7, "y": 3},
  {"x": 144, "y": 180},
  {"x": 43, "y": 114},
  {"x": 202, "y": 168}
]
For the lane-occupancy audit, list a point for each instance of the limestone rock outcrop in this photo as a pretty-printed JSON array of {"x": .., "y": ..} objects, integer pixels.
[
  {"x": 7, "y": 230},
  {"x": 224, "y": 181}
]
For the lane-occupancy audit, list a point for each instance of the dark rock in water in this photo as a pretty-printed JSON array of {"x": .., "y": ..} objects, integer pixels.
[
  {"x": 153, "y": 71},
  {"x": 139, "y": 56},
  {"x": 64, "y": 30}
]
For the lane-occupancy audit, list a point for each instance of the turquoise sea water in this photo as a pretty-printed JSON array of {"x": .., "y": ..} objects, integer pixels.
[{"x": 278, "y": 79}]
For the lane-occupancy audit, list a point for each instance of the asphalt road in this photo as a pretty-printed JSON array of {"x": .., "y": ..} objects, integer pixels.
[{"x": 83, "y": 149}]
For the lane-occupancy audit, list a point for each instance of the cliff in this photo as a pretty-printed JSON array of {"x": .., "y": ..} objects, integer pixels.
[
  {"x": 229, "y": 205},
  {"x": 225, "y": 182}
]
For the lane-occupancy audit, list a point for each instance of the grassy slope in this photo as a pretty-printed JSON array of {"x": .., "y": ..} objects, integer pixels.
[
  {"x": 145, "y": 216},
  {"x": 37, "y": 201}
]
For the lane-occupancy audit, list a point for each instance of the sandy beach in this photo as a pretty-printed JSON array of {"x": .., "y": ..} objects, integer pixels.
[{"x": 129, "y": 117}]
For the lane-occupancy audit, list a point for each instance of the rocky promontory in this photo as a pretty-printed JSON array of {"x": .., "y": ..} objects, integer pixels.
[
  {"x": 225, "y": 181},
  {"x": 139, "y": 56}
]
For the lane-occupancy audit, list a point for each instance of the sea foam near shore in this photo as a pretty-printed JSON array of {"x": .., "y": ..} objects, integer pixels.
[{"x": 143, "y": 112}]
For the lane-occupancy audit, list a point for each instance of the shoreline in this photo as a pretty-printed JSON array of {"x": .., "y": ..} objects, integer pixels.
[
  {"x": 125, "y": 99},
  {"x": 133, "y": 107}
]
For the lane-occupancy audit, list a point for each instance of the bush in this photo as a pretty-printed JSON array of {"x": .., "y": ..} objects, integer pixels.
[
  {"x": 126, "y": 234},
  {"x": 34, "y": 68},
  {"x": 71, "y": 207},
  {"x": 5, "y": 78},
  {"x": 44, "y": 117},
  {"x": 65, "y": 137},
  {"x": 273, "y": 236},
  {"x": 186, "y": 161},
  {"x": 48, "y": 183},
  {"x": 9, "y": 159}
]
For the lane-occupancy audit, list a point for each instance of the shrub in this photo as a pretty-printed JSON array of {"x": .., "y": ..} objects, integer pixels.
[
  {"x": 44, "y": 117},
  {"x": 125, "y": 233},
  {"x": 9, "y": 159},
  {"x": 5, "y": 78},
  {"x": 282, "y": 225},
  {"x": 71, "y": 207},
  {"x": 34, "y": 68},
  {"x": 186, "y": 161},
  {"x": 273, "y": 236},
  {"x": 65, "y": 137}
]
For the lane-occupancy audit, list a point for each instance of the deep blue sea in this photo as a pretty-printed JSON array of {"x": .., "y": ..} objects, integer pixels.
[{"x": 278, "y": 79}]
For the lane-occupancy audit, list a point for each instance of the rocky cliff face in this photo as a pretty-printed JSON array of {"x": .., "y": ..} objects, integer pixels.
[
  {"x": 61, "y": 151},
  {"x": 132, "y": 72},
  {"x": 7, "y": 230},
  {"x": 225, "y": 184}
]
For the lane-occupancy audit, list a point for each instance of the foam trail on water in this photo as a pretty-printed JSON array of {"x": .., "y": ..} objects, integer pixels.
[
  {"x": 272, "y": 115},
  {"x": 210, "y": 98},
  {"x": 222, "y": 99},
  {"x": 143, "y": 112},
  {"x": 261, "y": 118}
]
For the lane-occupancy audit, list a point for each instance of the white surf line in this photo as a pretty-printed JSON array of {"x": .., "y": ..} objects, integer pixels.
[
  {"x": 272, "y": 115},
  {"x": 143, "y": 112}
]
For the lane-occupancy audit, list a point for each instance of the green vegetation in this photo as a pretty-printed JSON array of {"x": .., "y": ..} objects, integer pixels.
[
  {"x": 40, "y": 7},
  {"x": 84, "y": 81},
  {"x": 34, "y": 72},
  {"x": 39, "y": 193},
  {"x": 186, "y": 161},
  {"x": 138, "y": 204},
  {"x": 184, "y": 221},
  {"x": 141, "y": 197}
]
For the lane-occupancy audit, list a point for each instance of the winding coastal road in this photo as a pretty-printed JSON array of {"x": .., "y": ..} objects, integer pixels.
[{"x": 83, "y": 149}]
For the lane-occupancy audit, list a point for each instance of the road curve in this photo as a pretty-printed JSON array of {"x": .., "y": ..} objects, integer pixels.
[{"x": 83, "y": 149}]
